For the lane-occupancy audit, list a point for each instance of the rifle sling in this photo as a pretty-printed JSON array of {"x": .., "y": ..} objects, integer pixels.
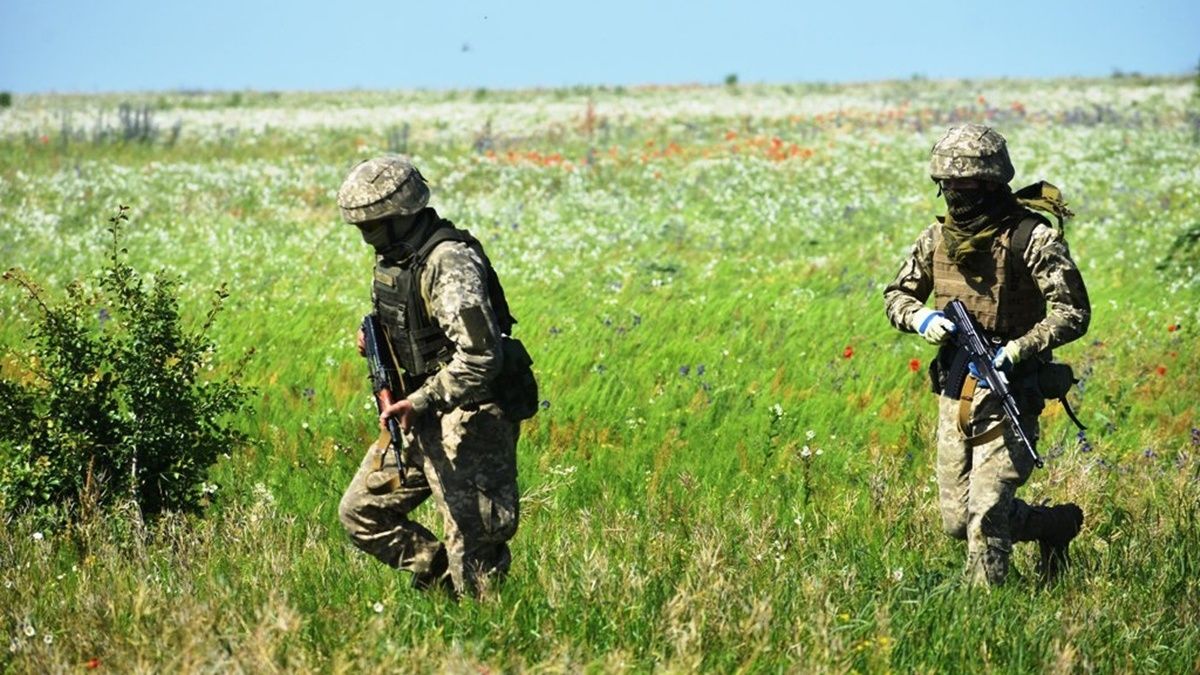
[
  {"x": 1071, "y": 413},
  {"x": 964, "y": 416}
]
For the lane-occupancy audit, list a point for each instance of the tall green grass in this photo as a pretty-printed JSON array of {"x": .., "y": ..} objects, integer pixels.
[{"x": 734, "y": 470}]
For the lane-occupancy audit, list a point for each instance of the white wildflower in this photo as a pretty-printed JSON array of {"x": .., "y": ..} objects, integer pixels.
[{"x": 378, "y": 607}]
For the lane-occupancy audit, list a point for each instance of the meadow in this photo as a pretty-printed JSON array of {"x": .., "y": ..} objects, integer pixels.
[{"x": 732, "y": 469}]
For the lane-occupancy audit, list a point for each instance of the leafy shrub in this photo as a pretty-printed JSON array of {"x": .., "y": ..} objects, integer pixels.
[
  {"x": 5, "y": 99},
  {"x": 107, "y": 403}
]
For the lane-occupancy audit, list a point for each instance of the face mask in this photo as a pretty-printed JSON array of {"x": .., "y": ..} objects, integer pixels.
[
  {"x": 965, "y": 204},
  {"x": 374, "y": 234},
  {"x": 386, "y": 234}
]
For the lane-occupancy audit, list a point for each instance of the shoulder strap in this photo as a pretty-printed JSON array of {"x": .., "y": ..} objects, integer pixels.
[
  {"x": 446, "y": 231},
  {"x": 1023, "y": 232}
]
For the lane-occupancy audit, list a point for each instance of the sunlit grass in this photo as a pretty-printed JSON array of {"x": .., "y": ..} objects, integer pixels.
[{"x": 733, "y": 470}]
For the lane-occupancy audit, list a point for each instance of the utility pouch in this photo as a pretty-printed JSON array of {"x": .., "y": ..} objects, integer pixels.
[
  {"x": 1054, "y": 380},
  {"x": 515, "y": 388}
]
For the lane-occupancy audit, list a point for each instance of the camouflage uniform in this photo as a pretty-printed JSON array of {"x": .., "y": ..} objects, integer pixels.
[
  {"x": 977, "y": 483},
  {"x": 461, "y": 448}
]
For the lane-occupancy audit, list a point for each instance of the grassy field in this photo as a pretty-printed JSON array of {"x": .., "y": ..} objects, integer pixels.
[{"x": 733, "y": 466}]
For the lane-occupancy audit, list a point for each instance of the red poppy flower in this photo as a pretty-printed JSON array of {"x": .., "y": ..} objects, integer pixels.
[
  {"x": 1173, "y": 327},
  {"x": 914, "y": 365},
  {"x": 848, "y": 352},
  {"x": 1161, "y": 370},
  {"x": 92, "y": 664}
]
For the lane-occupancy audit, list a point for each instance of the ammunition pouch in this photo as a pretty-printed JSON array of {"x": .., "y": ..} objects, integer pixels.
[
  {"x": 515, "y": 389},
  {"x": 1054, "y": 380}
]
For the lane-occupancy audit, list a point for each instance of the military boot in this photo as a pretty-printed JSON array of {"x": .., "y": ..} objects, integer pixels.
[{"x": 1055, "y": 527}]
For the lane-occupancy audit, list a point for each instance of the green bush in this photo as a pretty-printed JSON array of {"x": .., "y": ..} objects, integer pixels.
[
  {"x": 108, "y": 402},
  {"x": 5, "y": 99}
]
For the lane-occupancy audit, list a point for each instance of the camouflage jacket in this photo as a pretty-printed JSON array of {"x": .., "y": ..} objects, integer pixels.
[
  {"x": 1068, "y": 310},
  {"x": 454, "y": 285}
]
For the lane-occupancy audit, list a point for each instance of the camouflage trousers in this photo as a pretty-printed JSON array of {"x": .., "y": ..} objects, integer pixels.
[
  {"x": 977, "y": 485},
  {"x": 466, "y": 459}
]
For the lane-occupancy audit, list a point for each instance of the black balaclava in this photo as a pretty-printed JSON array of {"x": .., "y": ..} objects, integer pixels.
[
  {"x": 963, "y": 205},
  {"x": 390, "y": 236}
]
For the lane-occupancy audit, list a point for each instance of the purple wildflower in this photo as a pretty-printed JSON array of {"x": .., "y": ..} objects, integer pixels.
[
  {"x": 1084, "y": 445},
  {"x": 684, "y": 369}
]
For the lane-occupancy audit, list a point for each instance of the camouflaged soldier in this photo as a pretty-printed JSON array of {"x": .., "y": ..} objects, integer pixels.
[
  {"x": 1013, "y": 272},
  {"x": 447, "y": 323}
]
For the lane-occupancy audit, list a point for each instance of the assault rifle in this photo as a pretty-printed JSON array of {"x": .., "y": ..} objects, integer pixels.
[
  {"x": 979, "y": 354},
  {"x": 384, "y": 379}
]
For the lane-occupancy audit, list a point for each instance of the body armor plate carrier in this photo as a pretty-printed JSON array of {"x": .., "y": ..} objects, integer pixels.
[
  {"x": 418, "y": 342},
  {"x": 998, "y": 289}
]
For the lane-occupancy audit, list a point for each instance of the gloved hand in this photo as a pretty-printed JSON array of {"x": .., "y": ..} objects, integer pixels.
[
  {"x": 933, "y": 326},
  {"x": 1004, "y": 359},
  {"x": 1007, "y": 356}
]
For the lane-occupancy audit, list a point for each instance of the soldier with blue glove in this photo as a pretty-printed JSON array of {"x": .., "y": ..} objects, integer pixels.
[{"x": 1014, "y": 273}]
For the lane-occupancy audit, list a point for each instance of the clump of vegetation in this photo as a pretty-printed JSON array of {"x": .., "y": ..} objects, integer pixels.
[
  {"x": 5, "y": 99},
  {"x": 108, "y": 403}
]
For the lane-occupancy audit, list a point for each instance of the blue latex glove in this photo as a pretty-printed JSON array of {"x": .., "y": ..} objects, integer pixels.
[{"x": 982, "y": 384}]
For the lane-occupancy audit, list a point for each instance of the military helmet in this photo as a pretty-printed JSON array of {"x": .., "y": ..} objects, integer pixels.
[
  {"x": 971, "y": 151},
  {"x": 384, "y": 186}
]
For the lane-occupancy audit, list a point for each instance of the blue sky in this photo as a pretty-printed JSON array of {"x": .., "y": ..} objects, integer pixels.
[{"x": 123, "y": 45}]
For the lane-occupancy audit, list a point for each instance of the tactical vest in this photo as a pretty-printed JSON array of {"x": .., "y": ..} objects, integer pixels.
[
  {"x": 418, "y": 342},
  {"x": 1003, "y": 296}
]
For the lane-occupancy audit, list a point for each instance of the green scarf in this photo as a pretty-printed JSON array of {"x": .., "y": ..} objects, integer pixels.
[{"x": 966, "y": 237}]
